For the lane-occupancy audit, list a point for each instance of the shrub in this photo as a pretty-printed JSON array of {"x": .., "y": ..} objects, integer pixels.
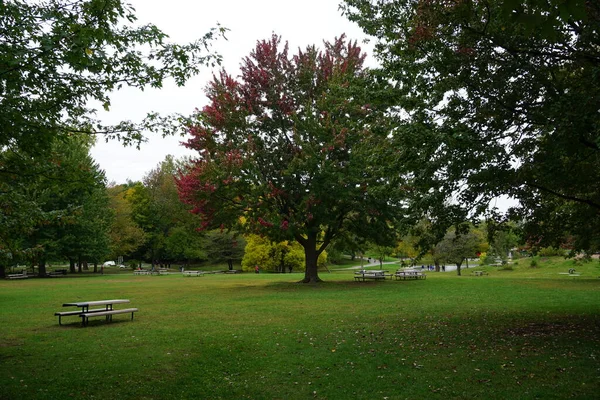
[
  {"x": 534, "y": 262},
  {"x": 551, "y": 252}
]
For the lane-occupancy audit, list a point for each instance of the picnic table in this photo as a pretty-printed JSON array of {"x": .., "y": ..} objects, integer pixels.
[
  {"x": 142, "y": 272},
  {"x": 22, "y": 275},
  {"x": 85, "y": 312},
  {"x": 363, "y": 275},
  {"x": 409, "y": 274},
  {"x": 193, "y": 273},
  {"x": 480, "y": 273}
]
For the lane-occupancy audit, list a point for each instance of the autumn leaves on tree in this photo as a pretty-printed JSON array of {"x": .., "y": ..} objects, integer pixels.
[{"x": 296, "y": 148}]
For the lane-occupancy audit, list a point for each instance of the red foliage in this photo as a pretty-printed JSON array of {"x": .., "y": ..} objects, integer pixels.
[{"x": 260, "y": 121}]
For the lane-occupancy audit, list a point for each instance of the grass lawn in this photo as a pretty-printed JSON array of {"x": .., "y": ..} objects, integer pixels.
[{"x": 523, "y": 334}]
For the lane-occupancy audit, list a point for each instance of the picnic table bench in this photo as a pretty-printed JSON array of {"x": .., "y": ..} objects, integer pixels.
[
  {"x": 86, "y": 313},
  {"x": 193, "y": 273},
  {"x": 363, "y": 275},
  {"x": 141, "y": 272},
  {"x": 22, "y": 275},
  {"x": 409, "y": 274},
  {"x": 479, "y": 273}
]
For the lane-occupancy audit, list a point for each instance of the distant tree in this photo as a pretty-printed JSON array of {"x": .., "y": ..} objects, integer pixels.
[
  {"x": 381, "y": 252},
  {"x": 298, "y": 147},
  {"x": 70, "y": 216},
  {"x": 509, "y": 93},
  {"x": 125, "y": 235},
  {"x": 224, "y": 247},
  {"x": 502, "y": 239},
  {"x": 456, "y": 247}
]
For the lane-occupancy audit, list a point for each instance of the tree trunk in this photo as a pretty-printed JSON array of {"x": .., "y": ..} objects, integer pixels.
[
  {"x": 458, "y": 264},
  {"x": 230, "y": 264},
  {"x": 79, "y": 265},
  {"x": 311, "y": 274},
  {"x": 42, "y": 268},
  {"x": 95, "y": 266},
  {"x": 71, "y": 265},
  {"x": 437, "y": 266},
  {"x": 2, "y": 271}
]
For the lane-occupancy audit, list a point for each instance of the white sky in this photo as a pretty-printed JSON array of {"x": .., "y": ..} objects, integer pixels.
[{"x": 299, "y": 22}]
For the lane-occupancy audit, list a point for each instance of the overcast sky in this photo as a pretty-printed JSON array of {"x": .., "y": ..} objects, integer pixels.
[{"x": 299, "y": 22}]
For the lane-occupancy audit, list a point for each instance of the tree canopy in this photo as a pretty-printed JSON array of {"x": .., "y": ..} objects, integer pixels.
[
  {"x": 59, "y": 60},
  {"x": 510, "y": 94},
  {"x": 297, "y": 148}
]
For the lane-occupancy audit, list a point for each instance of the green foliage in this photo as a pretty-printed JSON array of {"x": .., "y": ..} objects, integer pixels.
[
  {"x": 223, "y": 246},
  {"x": 125, "y": 235},
  {"x": 486, "y": 259},
  {"x": 457, "y": 246},
  {"x": 534, "y": 263},
  {"x": 551, "y": 251},
  {"x": 270, "y": 256},
  {"x": 490, "y": 81},
  {"x": 66, "y": 212},
  {"x": 169, "y": 228},
  {"x": 58, "y": 57}
]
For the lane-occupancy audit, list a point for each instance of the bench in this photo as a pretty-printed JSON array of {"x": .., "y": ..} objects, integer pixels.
[
  {"x": 61, "y": 314},
  {"x": 141, "y": 272},
  {"x": 85, "y": 316},
  {"x": 53, "y": 274},
  {"x": 193, "y": 273},
  {"x": 375, "y": 275},
  {"x": 18, "y": 276},
  {"x": 409, "y": 275},
  {"x": 479, "y": 273}
]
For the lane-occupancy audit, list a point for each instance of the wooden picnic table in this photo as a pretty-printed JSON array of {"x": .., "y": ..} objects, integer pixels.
[
  {"x": 363, "y": 275},
  {"x": 85, "y": 313},
  {"x": 409, "y": 274},
  {"x": 85, "y": 305}
]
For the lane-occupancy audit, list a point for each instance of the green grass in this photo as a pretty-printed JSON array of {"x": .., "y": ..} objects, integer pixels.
[{"x": 522, "y": 334}]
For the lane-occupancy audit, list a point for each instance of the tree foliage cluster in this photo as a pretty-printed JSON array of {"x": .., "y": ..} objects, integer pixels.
[
  {"x": 509, "y": 91},
  {"x": 58, "y": 61},
  {"x": 296, "y": 148}
]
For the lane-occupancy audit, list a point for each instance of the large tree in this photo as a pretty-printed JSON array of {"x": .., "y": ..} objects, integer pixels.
[
  {"x": 510, "y": 91},
  {"x": 58, "y": 60},
  {"x": 69, "y": 215},
  {"x": 297, "y": 148}
]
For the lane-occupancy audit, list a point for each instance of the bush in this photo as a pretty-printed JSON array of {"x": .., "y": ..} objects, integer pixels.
[
  {"x": 506, "y": 267},
  {"x": 551, "y": 252},
  {"x": 534, "y": 262},
  {"x": 486, "y": 259}
]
